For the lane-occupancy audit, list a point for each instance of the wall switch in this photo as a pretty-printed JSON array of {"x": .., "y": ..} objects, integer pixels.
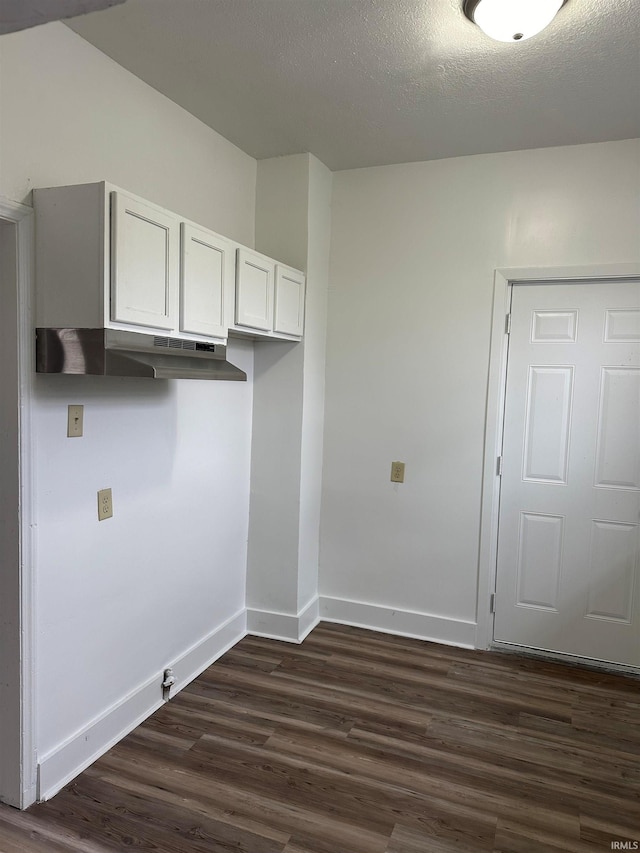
[
  {"x": 397, "y": 472},
  {"x": 105, "y": 504},
  {"x": 75, "y": 417}
]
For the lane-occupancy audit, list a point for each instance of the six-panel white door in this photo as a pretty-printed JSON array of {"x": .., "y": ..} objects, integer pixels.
[
  {"x": 206, "y": 274},
  {"x": 568, "y": 578},
  {"x": 144, "y": 263}
]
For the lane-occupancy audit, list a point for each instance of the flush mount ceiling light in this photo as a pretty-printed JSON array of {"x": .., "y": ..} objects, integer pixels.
[{"x": 511, "y": 20}]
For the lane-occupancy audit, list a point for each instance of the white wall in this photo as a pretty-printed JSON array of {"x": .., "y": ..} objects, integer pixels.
[
  {"x": 293, "y": 221},
  {"x": 119, "y": 600},
  {"x": 272, "y": 568},
  {"x": 315, "y": 347},
  {"x": 414, "y": 249},
  {"x": 71, "y": 115}
]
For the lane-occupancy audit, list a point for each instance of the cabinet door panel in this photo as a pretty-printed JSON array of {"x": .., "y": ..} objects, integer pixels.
[
  {"x": 254, "y": 290},
  {"x": 289, "y": 301},
  {"x": 143, "y": 267},
  {"x": 206, "y": 258}
]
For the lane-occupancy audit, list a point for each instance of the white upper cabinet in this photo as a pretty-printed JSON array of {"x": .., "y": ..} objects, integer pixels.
[
  {"x": 254, "y": 290},
  {"x": 206, "y": 282},
  {"x": 108, "y": 259},
  {"x": 144, "y": 263},
  {"x": 288, "y": 309},
  {"x": 269, "y": 297}
]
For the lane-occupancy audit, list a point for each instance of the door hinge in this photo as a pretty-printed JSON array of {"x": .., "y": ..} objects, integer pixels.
[
  {"x": 492, "y": 603},
  {"x": 499, "y": 466},
  {"x": 507, "y": 324}
]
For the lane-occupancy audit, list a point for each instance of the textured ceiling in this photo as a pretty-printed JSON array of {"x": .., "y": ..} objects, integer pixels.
[
  {"x": 21, "y": 14},
  {"x": 372, "y": 82}
]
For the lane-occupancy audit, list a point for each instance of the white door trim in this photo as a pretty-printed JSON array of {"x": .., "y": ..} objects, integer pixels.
[
  {"x": 504, "y": 279},
  {"x": 22, "y": 217}
]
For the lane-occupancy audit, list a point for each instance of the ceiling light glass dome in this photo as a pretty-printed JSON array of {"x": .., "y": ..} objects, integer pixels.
[{"x": 512, "y": 20}]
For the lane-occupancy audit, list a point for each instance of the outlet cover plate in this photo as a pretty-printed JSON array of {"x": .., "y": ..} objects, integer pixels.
[
  {"x": 397, "y": 472},
  {"x": 105, "y": 504}
]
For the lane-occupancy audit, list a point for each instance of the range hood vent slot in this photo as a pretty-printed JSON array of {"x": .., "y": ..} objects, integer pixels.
[{"x": 174, "y": 343}]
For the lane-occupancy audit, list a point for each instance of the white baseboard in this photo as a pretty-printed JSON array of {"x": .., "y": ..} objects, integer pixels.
[
  {"x": 405, "y": 623},
  {"x": 308, "y": 618},
  {"x": 64, "y": 762},
  {"x": 284, "y": 626}
]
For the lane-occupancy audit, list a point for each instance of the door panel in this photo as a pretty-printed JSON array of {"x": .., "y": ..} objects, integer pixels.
[
  {"x": 567, "y": 574},
  {"x": 554, "y": 327},
  {"x": 539, "y": 559},
  {"x": 622, "y": 326},
  {"x": 546, "y": 439},
  {"x": 618, "y": 453},
  {"x": 612, "y": 570}
]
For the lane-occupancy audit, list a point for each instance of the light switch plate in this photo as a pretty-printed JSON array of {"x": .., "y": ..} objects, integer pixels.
[
  {"x": 397, "y": 472},
  {"x": 75, "y": 418},
  {"x": 105, "y": 504}
]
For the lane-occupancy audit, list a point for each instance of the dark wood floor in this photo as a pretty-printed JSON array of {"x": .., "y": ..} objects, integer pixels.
[{"x": 357, "y": 742}]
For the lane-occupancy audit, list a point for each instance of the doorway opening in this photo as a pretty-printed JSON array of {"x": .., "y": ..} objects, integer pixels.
[{"x": 17, "y": 754}]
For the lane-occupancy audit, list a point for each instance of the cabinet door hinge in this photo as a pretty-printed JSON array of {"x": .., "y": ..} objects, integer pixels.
[
  {"x": 499, "y": 466},
  {"x": 507, "y": 324},
  {"x": 492, "y": 603}
]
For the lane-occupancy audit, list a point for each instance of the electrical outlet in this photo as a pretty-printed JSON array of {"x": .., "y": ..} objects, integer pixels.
[
  {"x": 397, "y": 472},
  {"x": 75, "y": 418},
  {"x": 105, "y": 504}
]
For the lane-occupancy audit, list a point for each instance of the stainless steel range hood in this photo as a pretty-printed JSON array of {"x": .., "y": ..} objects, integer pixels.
[{"x": 108, "y": 352}]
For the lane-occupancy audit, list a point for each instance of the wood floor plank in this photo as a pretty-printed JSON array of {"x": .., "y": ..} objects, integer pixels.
[
  {"x": 512, "y": 837},
  {"x": 412, "y": 688},
  {"x": 312, "y": 699},
  {"x": 130, "y": 819},
  {"x": 189, "y": 724},
  {"x": 358, "y": 742},
  {"x": 519, "y": 753},
  {"x": 607, "y": 742},
  {"x": 21, "y": 832},
  {"x": 606, "y": 830},
  {"x": 314, "y": 787},
  {"x": 240, "y": 799},
  {"x": 194, "y": 803},
  {"x": 406, "y": 839}
]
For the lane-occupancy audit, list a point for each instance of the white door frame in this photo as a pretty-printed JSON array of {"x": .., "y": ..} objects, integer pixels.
[
  {"x": 20, "y": 327},
  {"x": 504, "y": 280}
]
